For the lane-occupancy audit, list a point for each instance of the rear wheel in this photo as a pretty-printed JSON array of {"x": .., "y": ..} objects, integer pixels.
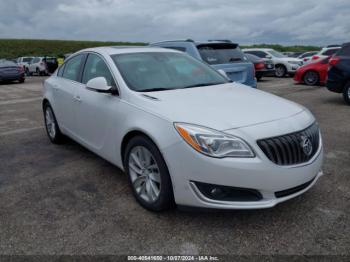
[
  {"x": 148, "y": 174},
  {"x": 52, "y": 128},
  {"x": 311, "y": 78},
  {"x": 346, "y": 93},
  {"x": 281, "y": 71}
]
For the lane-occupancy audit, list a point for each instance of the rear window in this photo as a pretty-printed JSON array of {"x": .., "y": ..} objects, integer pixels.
[
  {"x": 344, "y": 51},
  {"x": 215, "y": 54},
  {"x": 6, "y": 63},
  {"x": 51, "y": 60},
  {"x": 27, "y": 59},
  {"x": 330, "y": 52}
]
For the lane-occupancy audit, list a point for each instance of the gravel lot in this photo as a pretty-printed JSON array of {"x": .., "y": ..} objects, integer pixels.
[{"x": 66, "y": 200}]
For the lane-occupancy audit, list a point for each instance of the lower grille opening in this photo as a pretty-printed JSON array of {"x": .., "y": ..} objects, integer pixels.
[
  {"x": 293, "y": 190},
  {"x": 227, "y": 193}
]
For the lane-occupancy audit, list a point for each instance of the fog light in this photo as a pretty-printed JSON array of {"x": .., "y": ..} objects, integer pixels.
[{"x": 227, "y": 193}]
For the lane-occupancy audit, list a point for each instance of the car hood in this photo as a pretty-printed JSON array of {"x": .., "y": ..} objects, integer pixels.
[{"x": 220, "y": 107}]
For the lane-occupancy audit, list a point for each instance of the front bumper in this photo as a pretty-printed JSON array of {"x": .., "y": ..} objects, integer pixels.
[{"x": 187, "y": 166}]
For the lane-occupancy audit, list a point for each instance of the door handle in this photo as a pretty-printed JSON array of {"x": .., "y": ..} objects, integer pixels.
[{"x": 77, "y": 98}]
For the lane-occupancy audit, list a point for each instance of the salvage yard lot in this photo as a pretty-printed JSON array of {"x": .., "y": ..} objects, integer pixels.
[{"x": 66, "y": 200}]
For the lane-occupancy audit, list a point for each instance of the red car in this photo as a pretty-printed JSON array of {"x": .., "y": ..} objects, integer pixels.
[{"x": 313, "y": 73}]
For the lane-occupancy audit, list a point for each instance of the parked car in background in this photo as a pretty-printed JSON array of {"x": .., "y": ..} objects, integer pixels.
[
  {"x": 314, "y": 73},
  {"x": 225, "y": 146},
  {"x": 24, "y": 61},
  {"x": 325, "y": 52},
  {"x": 37, "y": 66},
  {"x": 338, "y": 79},
  {"x": 263, "y": 66},
  {"x": 11, "y": 71},
  {"x": 220, "y": 54},
  {"x": 292, "y": 54},
  {"x": 42, "y": 65},
  {"x": 283, "y": 65},
  {"x": 51, "y": 64},
  {"x": 307, "y": 56}
]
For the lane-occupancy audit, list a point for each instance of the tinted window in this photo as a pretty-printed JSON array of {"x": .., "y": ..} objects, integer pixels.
[
  {"x": 36, "y": 60},
  {"x": 215, "y": 54},
  {"x": 178, "y": 48},
  {"x": 96, "y": 67},
  {"x": 72, "y": 68},
  {"x": 344, "y": 51},
  {"x": 164, "y": 70},
  {"x": 330, "y": 52},
  {"x": 27, "y": 59},
  {"x": 260, "y": 54},
  {"x": 60, "y": 70}
]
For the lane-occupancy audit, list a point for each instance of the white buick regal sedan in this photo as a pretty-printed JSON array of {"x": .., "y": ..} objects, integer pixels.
[{"x": 181, "y": 131}]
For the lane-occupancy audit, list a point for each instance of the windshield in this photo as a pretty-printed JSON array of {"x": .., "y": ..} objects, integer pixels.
[
  {"x": 155, "y": 71},
  {"x": 276, "y": 54},
  {"x": 215, "y": 54}
]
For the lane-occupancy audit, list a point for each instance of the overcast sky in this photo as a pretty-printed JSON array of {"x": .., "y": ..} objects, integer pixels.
[{"x": 318, "y": 22}]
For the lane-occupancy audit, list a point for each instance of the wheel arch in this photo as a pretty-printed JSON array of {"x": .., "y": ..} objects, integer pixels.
[{"x": 131, "y": 134}]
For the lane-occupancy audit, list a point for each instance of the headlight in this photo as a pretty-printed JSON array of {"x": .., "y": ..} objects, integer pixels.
[
  {"x": 294, "y": 62},
  {"x": 213, "y": 143}
]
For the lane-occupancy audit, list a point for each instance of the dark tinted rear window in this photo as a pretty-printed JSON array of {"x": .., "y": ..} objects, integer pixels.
[
  {"x": 344, "y": 51},
  {"x": 330, "y": 52},
  {"x": 225, "y": 53}
]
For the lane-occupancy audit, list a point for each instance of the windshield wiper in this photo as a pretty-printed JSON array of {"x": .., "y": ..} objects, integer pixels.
[
  {"x": 155, "y": 89},
  {"x": 204, "y": 84}
]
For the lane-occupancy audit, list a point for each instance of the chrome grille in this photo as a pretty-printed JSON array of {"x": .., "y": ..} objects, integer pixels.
[{"x": 292, "y": 149}]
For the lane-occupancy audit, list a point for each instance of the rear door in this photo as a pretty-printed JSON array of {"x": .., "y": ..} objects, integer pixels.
[
  {"x": 65, "y": 90},
  {"x": 228, "y": 57}
]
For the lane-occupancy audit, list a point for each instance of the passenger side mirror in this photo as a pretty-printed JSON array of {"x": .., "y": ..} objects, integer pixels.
[
  {"x": 99, "y": 84},
  {"x": 268, "y": 57}
]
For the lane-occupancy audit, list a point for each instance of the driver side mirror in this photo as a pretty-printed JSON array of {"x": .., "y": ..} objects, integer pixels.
[
  {"x": 268, "y": 57},
  {"x": 99, "y": 84}
]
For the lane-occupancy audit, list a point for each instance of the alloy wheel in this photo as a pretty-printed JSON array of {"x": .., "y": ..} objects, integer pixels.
[
  {"x": 144, "y": 174},
  {"x": 50, "y": 123},
  {"x": 311, "y": 78},
  {"x": 280, "y": 71}
]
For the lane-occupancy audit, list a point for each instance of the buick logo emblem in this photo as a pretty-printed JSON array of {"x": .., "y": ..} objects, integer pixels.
[{"x": 306, "y": 145}]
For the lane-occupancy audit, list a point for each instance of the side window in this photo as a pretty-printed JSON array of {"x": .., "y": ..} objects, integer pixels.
[
  {"x": 60, "y": 70},
  {"x": 72, "y": 68},
  {"x": 36, "y": 60},
  {"x": 96, "y": 67},
  {"x": 330, "y": 52},
  {"x": 178, "y": 48},
  {"x": 344, "y": 51}
]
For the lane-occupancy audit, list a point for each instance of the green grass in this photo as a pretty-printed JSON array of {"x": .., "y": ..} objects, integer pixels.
[{"x": 12, "y": 48}]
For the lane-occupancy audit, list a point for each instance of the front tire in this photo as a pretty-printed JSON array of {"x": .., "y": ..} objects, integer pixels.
[
  {"x": 311, "y": 78},
  {"x": 281, "y": 71},
  {"x": 51, "y": 125},
  {"x": 148, "y": 174},
  {"x": 346, "y": 93}
]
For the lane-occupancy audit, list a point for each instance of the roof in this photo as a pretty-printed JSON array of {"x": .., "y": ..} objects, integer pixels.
[
  {"x": 113, "y": 50},
  {"x": 216, "y": 41}
]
